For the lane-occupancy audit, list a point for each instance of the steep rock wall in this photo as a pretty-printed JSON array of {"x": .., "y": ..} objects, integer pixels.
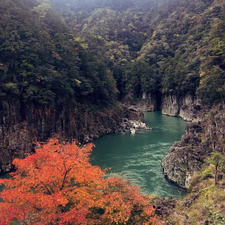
[
  {"x": 147, "y": 103},
  {"x": 170, "y": 105},
  {"x": 22, "y": 125},
  {"x": 201, "y": 139},
  {"x": 187, "y": 107}
]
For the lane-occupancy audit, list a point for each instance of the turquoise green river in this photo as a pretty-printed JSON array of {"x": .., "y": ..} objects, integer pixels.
[{"x": 138, "y": 157}]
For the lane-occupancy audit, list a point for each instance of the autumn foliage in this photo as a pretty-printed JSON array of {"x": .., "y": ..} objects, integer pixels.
[{"x": 57, "y": 185}]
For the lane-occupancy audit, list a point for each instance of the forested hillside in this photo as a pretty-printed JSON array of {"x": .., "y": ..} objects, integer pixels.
[
  {"x": 49, "y": 84},
  {"x": 41, "y": 63},
  {"x": 154, "y": 47},
  {"x": 63, "y": 62},
  {"x": 80, "y": 69},
  {"x": 181, "y": 43}
]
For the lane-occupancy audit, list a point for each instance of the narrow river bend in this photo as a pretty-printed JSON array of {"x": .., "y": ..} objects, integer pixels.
[{"x": 138, "y": 157}]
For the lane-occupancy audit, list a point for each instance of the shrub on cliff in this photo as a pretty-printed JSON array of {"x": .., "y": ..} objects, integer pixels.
[
  {"x": 205, "y": 203},
  {"x": 58, "y": 185}
]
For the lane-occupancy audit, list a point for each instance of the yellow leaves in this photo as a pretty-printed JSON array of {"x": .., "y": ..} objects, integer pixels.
[
  {"x": 78, "y": 39},
  {"x": 154, "y": 34},
  {"x": 84, "y": 27},
  {"x": 84, "y": 45},
  {"x": 42, "y": 9},
  {"x": 202, "y": 74},
  {"x": 78, "y": 82}
]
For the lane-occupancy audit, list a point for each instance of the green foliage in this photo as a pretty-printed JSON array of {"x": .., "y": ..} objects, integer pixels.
[
  {"x": 141, "y": 79},
  {"x": 207, "y": 172},
  {"x": 213, "y": 165},
  {"x": 178, "y": 79},
  {"x": 203, "y": 205},
  {"x": 169, "y": 47},
  {"x": 212, "y": 84},
  {"x": 217, "y": 159},
  {"x": 182, "y": 42},
  {"x": 41, "y": 63},
  {"x": 215, "y": 217}
]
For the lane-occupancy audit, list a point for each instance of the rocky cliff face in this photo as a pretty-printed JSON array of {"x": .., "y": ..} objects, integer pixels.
[
  {"x": 201, "y": 138},
  {"x": 21, "y": 126},
  {"x": 187, "y": 107},
  {"x": 147, "y": 103},
  {"x": 170, "y": 105}
]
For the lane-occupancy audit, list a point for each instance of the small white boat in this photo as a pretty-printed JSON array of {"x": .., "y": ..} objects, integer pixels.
[{"x": 132, "y": 131}]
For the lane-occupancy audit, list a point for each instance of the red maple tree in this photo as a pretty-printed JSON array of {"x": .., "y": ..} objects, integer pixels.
[{"x": 57, "y": 185}]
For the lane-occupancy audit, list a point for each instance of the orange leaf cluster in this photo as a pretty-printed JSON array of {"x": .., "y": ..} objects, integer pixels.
[{"x": 57, "y": 185}]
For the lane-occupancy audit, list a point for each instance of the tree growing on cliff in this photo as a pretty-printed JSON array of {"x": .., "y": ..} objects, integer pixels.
[
  {"x": 58, "y": 185},
  {"x": 218, "y": 160}
]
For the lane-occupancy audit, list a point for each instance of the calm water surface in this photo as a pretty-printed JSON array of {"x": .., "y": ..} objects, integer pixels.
[{"x": 139, "y": 156}]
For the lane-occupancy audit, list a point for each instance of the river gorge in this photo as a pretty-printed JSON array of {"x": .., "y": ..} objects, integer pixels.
[{"x": 138, "y": 157}]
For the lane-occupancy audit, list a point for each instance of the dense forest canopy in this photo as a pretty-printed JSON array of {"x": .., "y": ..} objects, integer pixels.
[
  {"x": 178, "y": 40},
  {"x": 41, "y": 62},
  {"x": 98, "y": 50},
  {"x": 64, "y": 67}
]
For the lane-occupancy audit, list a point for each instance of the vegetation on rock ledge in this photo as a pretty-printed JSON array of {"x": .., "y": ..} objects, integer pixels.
[{"x": 205, "y": 204}]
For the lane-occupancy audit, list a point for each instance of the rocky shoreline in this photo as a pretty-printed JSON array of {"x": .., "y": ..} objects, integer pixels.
[
  {"x": 201, "y": 139},
  {"x": 18, "y": 133},
  {"x": 205, "y": 133},
  {"x": 132, "y": 126}
]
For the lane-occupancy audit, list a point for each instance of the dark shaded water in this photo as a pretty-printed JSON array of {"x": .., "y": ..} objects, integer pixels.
[{"x": 139, "y": 156}]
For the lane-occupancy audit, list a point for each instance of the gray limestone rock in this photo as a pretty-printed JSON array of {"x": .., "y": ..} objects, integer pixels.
[
  {"x": 170, "y": 105},
  {"x": 200, "y": 140}
]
